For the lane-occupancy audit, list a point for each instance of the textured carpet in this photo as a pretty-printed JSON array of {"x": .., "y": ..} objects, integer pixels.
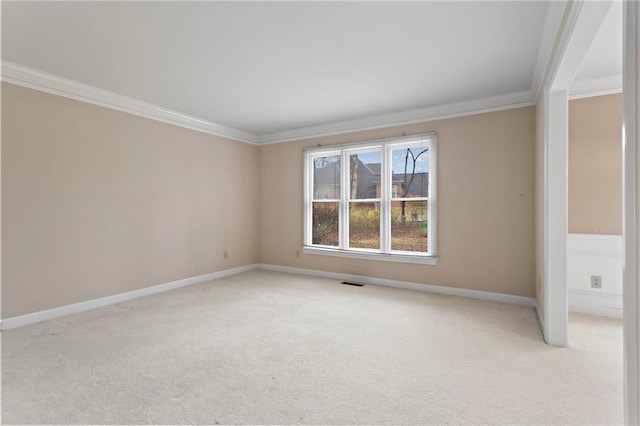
[{"x": 265, "y": 347}]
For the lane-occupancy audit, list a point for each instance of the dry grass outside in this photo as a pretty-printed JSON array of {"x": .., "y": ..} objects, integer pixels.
[
  {"x": 325, "y": 222},
  {"x": 409, "y": 233}
]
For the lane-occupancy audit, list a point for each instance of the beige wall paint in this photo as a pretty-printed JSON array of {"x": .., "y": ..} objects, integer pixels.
[
  {"x": 595, "y": 165},
  {"x": 97, "y": 202},
  {"x": 486, "y": 233},
  {"x": 539, "y": 203}
]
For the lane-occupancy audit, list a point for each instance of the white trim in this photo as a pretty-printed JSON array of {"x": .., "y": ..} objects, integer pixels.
[
  {"x": 552, "y": 23},
  {"x": 540, "y": 318},
  {"x": 406, "y": 285},
  {"x": 610, "y": 296},
  {"x": 556, "y": 224},
  {"x": 386, "y": 189},
  {"x": 384, "y": 257},
  {"x": 581, "y": 23},
  {"x": 589, "y": 255},
  {"x": 384, "y": 251},
  {"x": 631, "y": 230},
  {"x": 433, "y": 201},
  {"x": 595, "y": 303},
  {"x": 19, "y": 321},
  {"x": 602, "y": 245},
  {"x": 596, "y": 87},
  {"x": 421, "y": 115},
  {"x": 0, "y": 193},
  {"x": 602, "y": 311},
  {"x": 28, "y": 77},
  {"x": 343, "y": 204},
  {"x": 603, "y": 237},
  {"x": 593, "y": 253}
]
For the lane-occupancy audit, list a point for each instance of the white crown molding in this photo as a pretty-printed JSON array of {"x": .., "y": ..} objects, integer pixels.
[
  {"x": 550, "y": 30},
  {"x": 452, "y": 110},
  {"x": 39, "y": 80},
  {"x": 35, "y": 79},
  {"x": 596, "y": 87},
  {"x": 19, "y": 321}
]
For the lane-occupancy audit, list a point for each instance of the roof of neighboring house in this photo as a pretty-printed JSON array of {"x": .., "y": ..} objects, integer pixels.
[
  {"x": 369, "y": 176},
  {"x": 419, "y": 187},
  {"x": 374, "y": 167},
  {"x": 330, "y": 174}
]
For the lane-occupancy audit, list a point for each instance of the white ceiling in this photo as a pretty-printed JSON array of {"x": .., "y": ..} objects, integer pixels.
[
  {"x": 601, "y": 69},
  {"x": 271, "y": 67}
]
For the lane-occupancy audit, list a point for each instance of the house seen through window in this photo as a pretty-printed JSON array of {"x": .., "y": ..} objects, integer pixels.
[{"x": 372, "y": 199}]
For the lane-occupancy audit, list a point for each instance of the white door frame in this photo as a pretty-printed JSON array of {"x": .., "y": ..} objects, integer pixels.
[
  {"x": 581, "y": 23},
  {"x": 556, "y": 308},
  {"x": 631, "y": 228}
]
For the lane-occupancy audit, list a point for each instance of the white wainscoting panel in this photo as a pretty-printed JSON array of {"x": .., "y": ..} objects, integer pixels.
[{"x": 601, "y": 255}]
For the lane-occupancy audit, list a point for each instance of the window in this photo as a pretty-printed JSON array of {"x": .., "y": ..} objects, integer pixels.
[{"x": 374, "y": 200}]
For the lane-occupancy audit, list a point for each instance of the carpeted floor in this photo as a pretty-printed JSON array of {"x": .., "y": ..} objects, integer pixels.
[{"x": 265, "y": 347}]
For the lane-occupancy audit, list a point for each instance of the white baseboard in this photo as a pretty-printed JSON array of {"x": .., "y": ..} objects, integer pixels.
[
  {"x": 407, "y": 285},
  {"x": 19, "y": 321},
  {"x": 540, "y": 318},
  {"x": 596, "y": 303}
]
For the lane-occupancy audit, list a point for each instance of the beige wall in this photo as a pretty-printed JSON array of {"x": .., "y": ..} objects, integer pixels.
[
  {"x": 485, "y": 211},
  {"x": 595, "y": 165},
  {"x": 97, "y": 202}
]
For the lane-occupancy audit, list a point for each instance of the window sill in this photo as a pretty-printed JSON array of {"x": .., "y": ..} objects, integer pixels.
[{"x": 353, "y": 254}]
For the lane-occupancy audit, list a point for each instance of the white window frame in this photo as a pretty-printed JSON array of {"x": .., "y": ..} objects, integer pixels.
[{"x": 385, "y": 253}]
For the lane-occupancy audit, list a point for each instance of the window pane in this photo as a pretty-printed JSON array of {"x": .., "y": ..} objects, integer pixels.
[
  {"x": 410, "y": 172},
  {"x": 364, "y": 225},
  {"x": 325, "y": 222},
  {"x": 326, "y": 178},
  {"x": 409, "y": 225},
  {"x": 364, "y": 178}
]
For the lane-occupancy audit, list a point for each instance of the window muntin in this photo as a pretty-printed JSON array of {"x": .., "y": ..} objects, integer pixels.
[{"x": 378, "y": 198}]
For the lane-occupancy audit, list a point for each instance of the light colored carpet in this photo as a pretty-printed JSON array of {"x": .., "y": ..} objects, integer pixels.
[{"x": 265, "y": 347}]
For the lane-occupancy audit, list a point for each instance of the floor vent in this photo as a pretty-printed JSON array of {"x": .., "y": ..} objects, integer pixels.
[{"x": 354, "y": 284}]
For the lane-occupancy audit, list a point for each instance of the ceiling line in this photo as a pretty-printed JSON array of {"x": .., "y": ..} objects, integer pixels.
[
  {"x": 421, "y": 115},
  {"x": 50, "y": 83},
  {"x": 46, "y": 82},
  {"x": 587, "y": 88},
  {"x": 552, "y": 23}
]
